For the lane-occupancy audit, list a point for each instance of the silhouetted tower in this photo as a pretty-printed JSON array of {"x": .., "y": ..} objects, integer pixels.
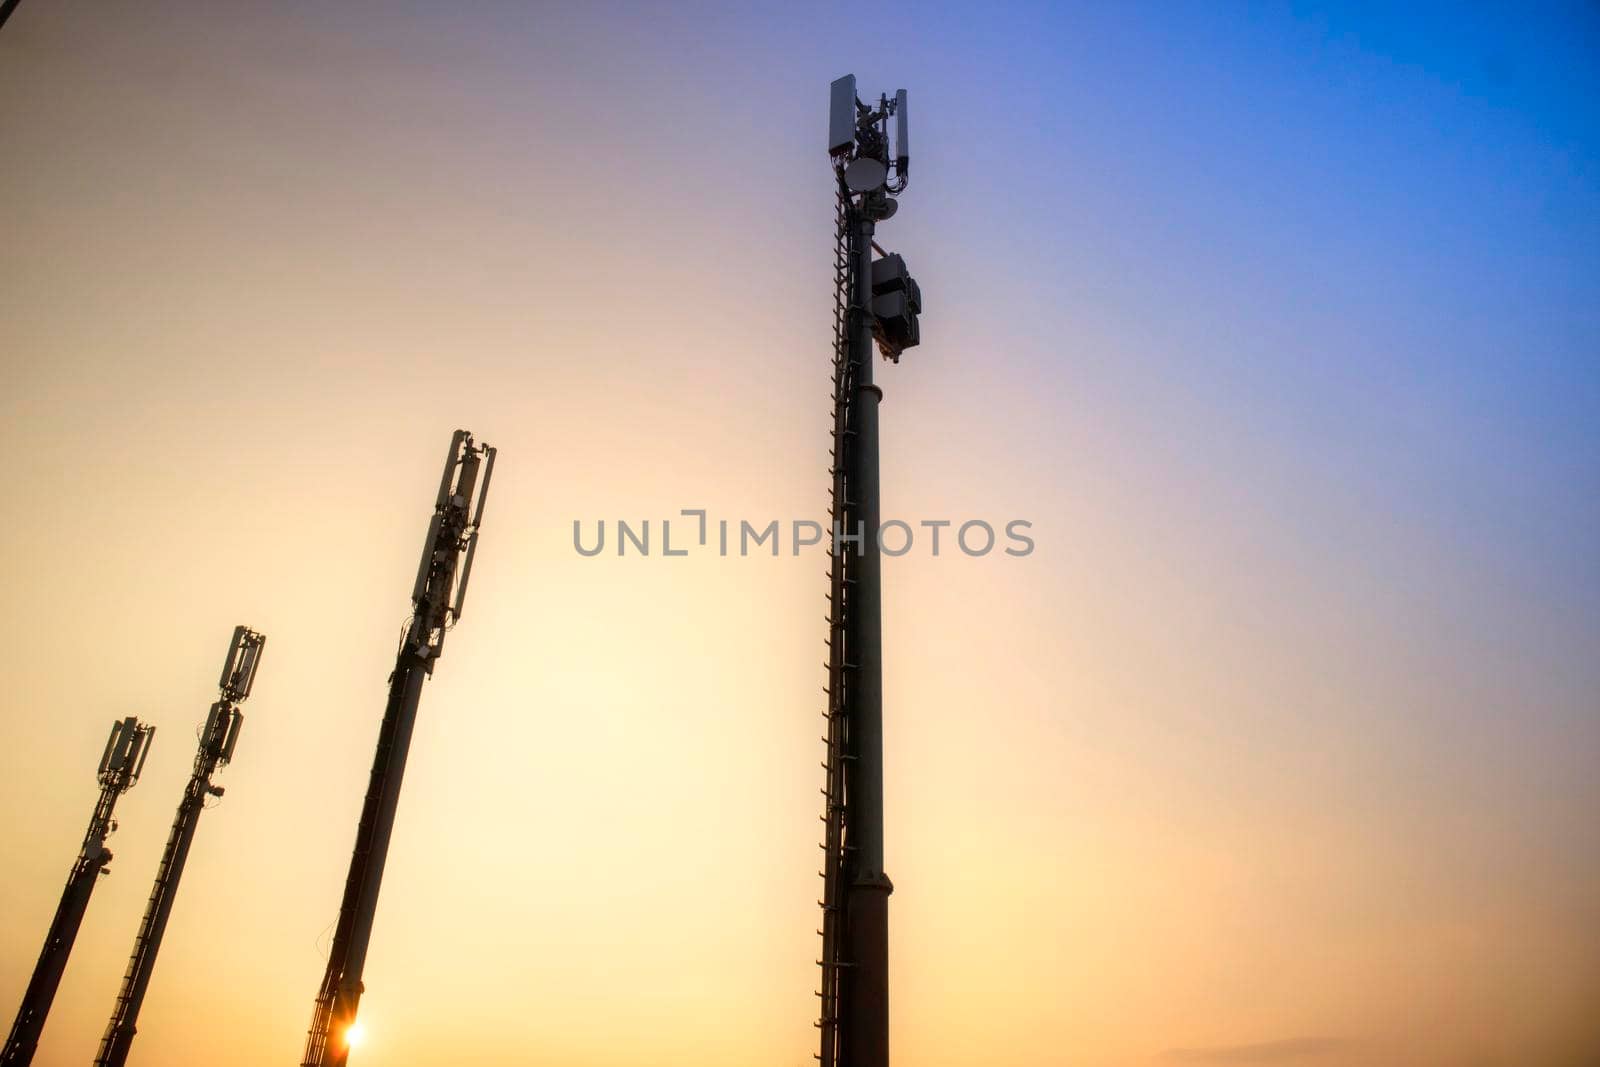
[
  {"x": 217, "y": 740},
  {"x": 120, "y": 765},
  {"x": 440, "y": 589},
  {"x": 875, "y": 300}
]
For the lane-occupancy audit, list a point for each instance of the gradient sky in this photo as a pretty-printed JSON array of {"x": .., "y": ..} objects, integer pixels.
[{"x": 1281, "y": 325}]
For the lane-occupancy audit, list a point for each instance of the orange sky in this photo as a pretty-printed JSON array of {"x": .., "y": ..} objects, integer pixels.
[{"x": 1280, "y": 747}]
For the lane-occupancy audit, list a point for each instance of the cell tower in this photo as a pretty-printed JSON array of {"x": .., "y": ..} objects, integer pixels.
[
  {"x": 120, "y": 766},
  {"x": 436, "y": 606},
  {"x": 217, "y": 740},
  {"x": 874, "y": 300}
]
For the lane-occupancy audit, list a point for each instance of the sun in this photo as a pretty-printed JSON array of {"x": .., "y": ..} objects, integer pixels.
[{"x": 355, "y": 1035}]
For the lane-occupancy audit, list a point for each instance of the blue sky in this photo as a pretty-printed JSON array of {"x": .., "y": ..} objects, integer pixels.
[{"x": 1280, "y": 323}]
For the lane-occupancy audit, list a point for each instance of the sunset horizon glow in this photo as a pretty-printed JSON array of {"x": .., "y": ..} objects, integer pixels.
[{"x": 1278, "y": 326}]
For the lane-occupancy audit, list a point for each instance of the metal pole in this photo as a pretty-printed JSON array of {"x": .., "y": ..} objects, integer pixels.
[
  {"x": 864, "y": 983},
  {"x": 118, "y": 1038},
  {"x": 354, "y": 934},
  {"x": 120, "y": 765},
  {"x": 875, "y": 306},
  {"x": 41, "y": 992},
  {"x": 217, "y": 739},
  {"x": 446, "y": 564}
]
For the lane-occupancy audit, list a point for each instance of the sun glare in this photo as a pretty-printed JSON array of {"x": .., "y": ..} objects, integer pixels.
[{"x": 355, "y": 1035}]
